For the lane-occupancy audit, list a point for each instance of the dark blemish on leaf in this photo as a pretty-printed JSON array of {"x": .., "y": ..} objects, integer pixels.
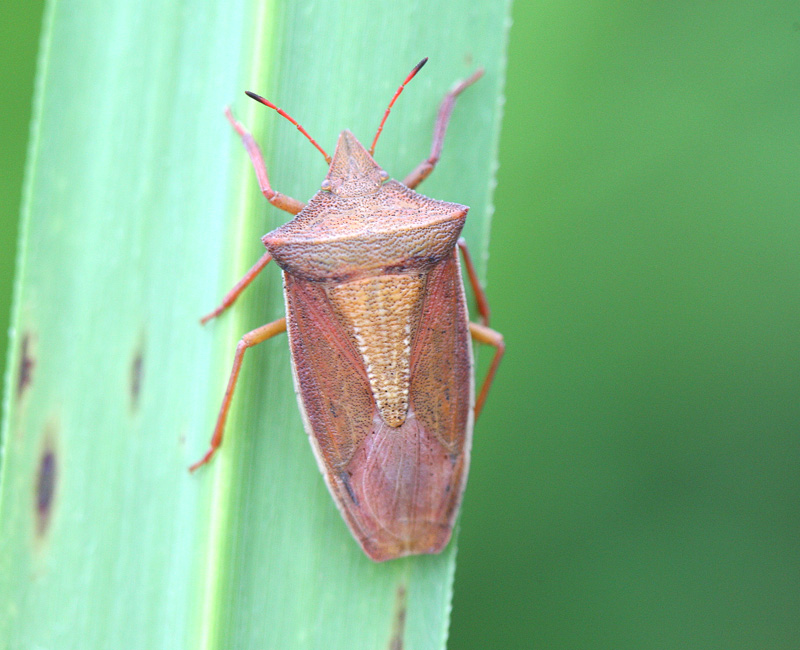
[
  {"x": 136, "y": 376},
  {"x": 346, "y": 480},
  {"x": 399, "y": 625},
  {"x": 45, "y": 489},
  {"x": 26, "y": 364}
]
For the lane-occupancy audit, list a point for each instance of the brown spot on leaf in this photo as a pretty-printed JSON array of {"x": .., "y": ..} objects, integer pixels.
[
  {"x": 45, "y": 488},
  {"x": 397, "y": 641},
  {"x": 26, "y": 364},
  {"x": 136, "y": 376}
]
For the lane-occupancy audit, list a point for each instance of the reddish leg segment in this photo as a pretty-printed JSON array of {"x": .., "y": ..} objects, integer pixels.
[
  {"x": 250, "y": 339},
  {"x": 481, "y": 333},
  {"x": 477, "y": 289},
  {"x": 488, "y": 336},
  {"x": 240, "y": 286},
  {"x": 424, "y": 169},
  {"x": 277, "y": 199}
]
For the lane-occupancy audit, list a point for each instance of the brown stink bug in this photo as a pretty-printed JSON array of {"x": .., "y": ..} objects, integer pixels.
[{"x": 379, "y": 338}]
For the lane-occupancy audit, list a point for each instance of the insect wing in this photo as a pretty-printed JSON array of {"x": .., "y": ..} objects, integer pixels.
[{"x": 399, "y": 487}]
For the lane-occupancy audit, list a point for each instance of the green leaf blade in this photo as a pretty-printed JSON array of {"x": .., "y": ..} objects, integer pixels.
[{"x": 141, "y": 210}]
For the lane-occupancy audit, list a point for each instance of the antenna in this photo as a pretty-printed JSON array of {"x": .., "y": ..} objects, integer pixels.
[
  {"x": 283, "y": 113},
  {"x": 416, "y": 69}
]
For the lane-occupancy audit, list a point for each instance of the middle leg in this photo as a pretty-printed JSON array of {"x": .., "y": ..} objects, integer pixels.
[{"x": 488, "y": 336}]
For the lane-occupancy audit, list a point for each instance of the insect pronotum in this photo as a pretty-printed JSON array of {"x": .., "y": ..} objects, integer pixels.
[{"x": 379, "y": 338}]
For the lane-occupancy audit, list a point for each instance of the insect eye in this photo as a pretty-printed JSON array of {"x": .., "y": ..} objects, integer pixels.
[
  {"x": 325, "y": 186},
  {"x": 384, "y": 176}
]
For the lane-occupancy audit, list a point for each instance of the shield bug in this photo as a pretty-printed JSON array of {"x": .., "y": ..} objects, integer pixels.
[{"x": 379, "y": 337}]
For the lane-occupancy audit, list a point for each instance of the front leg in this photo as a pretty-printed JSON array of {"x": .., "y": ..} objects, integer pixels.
[
  {"x": 287, "y": 203},
  {"x": 424, "y": 169}
]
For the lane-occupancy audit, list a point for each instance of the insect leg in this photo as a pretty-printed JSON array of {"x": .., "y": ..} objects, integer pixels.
[
  {"x": 424, "y": 169},
  {"x": 277, "y": 199},
  {"x": 250, "y": 339},
  {"x": 483, "y": 334},
  {"x": 477, "y": 289},
  {"x": 240, "y": 286}
]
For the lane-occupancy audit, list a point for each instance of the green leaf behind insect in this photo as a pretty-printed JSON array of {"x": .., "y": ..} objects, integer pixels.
[{"x": 140, "y": 209}]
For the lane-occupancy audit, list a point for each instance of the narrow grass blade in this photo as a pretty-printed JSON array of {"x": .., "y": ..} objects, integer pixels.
[{"x": 140, "y": 211}]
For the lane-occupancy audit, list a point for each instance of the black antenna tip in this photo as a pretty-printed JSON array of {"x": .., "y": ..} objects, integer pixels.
[
  {"x": 251, "y": 95},
  {"x": 420, "y": 64}
]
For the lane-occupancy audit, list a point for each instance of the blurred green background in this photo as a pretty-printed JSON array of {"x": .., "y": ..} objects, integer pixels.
[{"x": 636, "y": 474}]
